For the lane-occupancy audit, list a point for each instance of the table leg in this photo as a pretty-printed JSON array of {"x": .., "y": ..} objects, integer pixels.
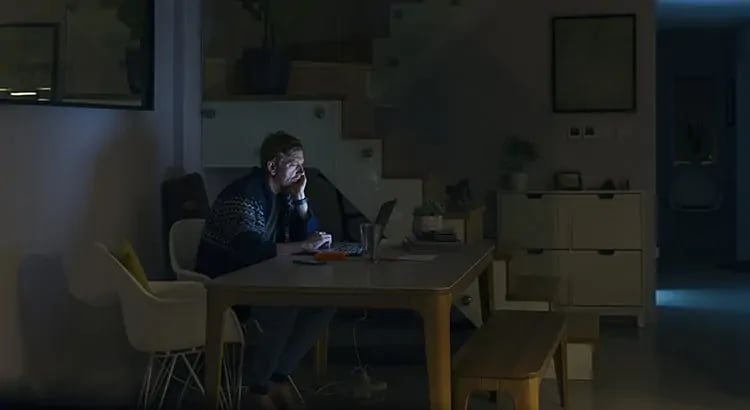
[
  {"x": 486, "y": 292},
  {"x": 214, "y": 346},
  {"x": 436, "y": 315},
  {"x": 561, "y": 370},
  {"x": 321, "y": 357}
]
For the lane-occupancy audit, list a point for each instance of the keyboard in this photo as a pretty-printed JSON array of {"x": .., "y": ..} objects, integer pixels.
[{"x": 349, "y": 248}]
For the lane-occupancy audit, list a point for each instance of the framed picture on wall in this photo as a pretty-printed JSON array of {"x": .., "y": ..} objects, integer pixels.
[{"x": 594, "y": 63}]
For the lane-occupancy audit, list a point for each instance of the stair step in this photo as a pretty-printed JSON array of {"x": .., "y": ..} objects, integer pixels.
[
  {"x": 359, "y": 119},
  {"x": 429, "y": 17},
  {"x": 351, "y": 80},
  {"x": 425, "y": 13}
]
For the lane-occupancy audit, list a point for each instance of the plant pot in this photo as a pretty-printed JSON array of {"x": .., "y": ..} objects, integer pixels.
[
  {"x": 264, "y": 71},
  {"x": 519, "y": 181},
  {"x": 424, "y": 224},
  {"x": 135, "y": 69}
]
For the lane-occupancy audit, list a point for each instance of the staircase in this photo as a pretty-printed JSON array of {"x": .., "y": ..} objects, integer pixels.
[
  {"x": 374, "y": 93},
  {"x": 342, "y": 111}
]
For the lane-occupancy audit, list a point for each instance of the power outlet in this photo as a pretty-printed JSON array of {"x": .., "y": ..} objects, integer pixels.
[
  {"x": 589, "y": 133},
  {"x": 575, "y": 133}
]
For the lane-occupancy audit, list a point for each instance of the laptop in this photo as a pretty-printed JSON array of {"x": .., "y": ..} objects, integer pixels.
[{"x": 355, "y": 248}]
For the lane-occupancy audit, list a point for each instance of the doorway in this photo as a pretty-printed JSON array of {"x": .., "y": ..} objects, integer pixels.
[{"x": 696, "y": 145}]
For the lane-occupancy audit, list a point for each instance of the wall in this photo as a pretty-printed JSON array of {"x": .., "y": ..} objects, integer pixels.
[
  {"x": 70, "y": 176},
  {"x": 743, "y": 143},
  {"x": 705, "y": 53},
  {"x": 494, "y": 82}
]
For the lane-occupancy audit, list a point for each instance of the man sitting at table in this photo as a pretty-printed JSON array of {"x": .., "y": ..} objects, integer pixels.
[{"x": 255, "y": 218}]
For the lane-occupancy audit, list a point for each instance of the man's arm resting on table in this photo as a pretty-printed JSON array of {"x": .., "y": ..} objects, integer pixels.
[{"x": 303, "y": 221}]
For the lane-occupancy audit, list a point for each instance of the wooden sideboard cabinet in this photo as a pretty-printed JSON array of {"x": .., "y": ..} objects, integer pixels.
[{"x": 600, "y": 244}]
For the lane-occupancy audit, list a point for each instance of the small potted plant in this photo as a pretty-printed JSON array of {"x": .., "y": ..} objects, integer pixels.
[
  {"x": 517, "y": 155},
  {"x": 428, "y": 217}
]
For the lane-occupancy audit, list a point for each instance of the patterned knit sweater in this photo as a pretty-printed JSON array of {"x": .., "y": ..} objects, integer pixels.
[{"x": 235, "y": 232}]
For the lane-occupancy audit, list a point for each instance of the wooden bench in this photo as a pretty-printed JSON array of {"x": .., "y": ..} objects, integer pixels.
[
  {"x": 510, "y": 354},
  {"x": 533, "y": 288}
]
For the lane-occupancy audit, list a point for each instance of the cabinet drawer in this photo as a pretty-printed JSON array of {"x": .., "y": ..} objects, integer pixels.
[
  {"x": 605, "y": 221},
  {"x": 532, "y": 221},
  {"x": 603, "y": 278},
  {"x": 539, "y": 263}
]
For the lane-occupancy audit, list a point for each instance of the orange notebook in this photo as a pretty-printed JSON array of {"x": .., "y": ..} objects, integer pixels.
[{"x": 330, "y": 256}]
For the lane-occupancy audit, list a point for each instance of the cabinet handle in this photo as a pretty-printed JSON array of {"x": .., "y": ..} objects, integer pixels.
[
  {"x": 606, "y": 196},
  {"x": 608, "y": 252},
  {"x": 534, "y": 196},
  {"x": 535, "y": 251}
]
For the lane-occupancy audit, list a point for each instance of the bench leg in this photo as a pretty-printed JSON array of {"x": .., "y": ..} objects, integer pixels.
[
  {"x": 561, "y": 371},
  {"x": 321, "y": 357},
  {"x": 525, "y": 393},
  {"x": 461, "y": 393}
]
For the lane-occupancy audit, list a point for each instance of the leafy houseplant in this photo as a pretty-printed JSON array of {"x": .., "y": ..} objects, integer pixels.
[
  {"x": 428, "y": 217},
  {"x": 517, "y": 155}
]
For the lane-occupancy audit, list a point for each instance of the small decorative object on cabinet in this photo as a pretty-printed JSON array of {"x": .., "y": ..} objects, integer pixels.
[
  {"x": 517, "y": 155},
  {"x": 599, "y": 243},
  {"x": 568, "y": 181}
]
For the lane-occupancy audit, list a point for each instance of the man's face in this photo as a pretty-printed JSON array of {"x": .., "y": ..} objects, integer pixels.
[{"x": 286, "y": 170}]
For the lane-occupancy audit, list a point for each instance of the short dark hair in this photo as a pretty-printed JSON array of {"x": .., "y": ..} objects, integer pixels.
[{"x": 277, "y": 143}]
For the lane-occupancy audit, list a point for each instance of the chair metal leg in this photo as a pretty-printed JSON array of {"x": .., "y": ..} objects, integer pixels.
[
  {"x": 172, "y": 362},
  {"x": 146, "y": 385},
  {"x": 296, "y": 390},
  {"x": 239, "y": 368},
  {"x": 192, "y": 377}
]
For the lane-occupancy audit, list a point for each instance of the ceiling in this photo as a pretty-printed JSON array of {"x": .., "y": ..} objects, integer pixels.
[{"x": 703, "y": 12}]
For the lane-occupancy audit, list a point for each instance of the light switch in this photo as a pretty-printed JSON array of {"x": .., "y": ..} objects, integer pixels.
[{"x": 589, "y": 132}]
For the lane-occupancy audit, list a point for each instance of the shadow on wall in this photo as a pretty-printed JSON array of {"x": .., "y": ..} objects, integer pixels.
[
  {"x": 458, "y": 110},
  {"x": 73, "y": 353},
  {"x": 124, "y": 196}
]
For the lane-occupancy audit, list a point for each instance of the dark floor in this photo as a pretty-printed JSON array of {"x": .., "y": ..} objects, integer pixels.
[{"x": 698, "y": 357}]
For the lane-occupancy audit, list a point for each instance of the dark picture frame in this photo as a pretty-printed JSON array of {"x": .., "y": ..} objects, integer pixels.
[
  {"x": 144, "y": 67},
  {"x": 594, "y": 63}
]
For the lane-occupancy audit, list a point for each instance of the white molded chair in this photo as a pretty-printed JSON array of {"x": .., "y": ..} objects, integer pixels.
[
  {"x": 184, "y": 239},
  {"x": 169, "y": 324}
]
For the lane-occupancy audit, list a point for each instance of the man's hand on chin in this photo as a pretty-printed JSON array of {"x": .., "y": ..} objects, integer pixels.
[{"x": 297, "y": 189}]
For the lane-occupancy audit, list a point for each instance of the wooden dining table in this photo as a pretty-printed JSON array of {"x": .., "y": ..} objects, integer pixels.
[{"x": 426, "y": 286}]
